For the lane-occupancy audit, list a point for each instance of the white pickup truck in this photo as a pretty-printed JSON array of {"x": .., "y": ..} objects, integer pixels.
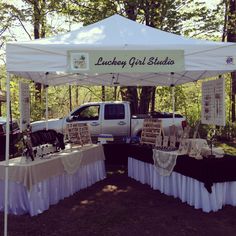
[{"x": 109, "y": 118}]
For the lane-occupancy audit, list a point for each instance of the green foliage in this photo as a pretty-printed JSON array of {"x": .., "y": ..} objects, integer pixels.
[
  {"x": 187, "y": 101},
  {"x": 202, "y": 21},
  {"x": 90, "y": 12},
  {"x": 227, "y": 133}
]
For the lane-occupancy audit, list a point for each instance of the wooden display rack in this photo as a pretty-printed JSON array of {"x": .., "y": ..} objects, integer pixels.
[
  {"x": 152, "y": 127},
  {"x": 78, "y": 133},
  {"x": 85, "y": 134}
]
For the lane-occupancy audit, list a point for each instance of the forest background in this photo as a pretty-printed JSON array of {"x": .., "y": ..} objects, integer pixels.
[{"x": 32, "y": 19}]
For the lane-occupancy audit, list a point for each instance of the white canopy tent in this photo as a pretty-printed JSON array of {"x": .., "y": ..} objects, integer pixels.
[
  {"x": 201, "y": 58},
  {"x": 47, "y": 61}
]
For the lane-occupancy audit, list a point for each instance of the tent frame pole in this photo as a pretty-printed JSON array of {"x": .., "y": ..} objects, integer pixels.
[
  {"x": 46, "y": 107},
  {"x": 173, "y": 96},
  {"x": 7, "y": 155},
  {"x": 46, "y": 87},
  {"x": 173, "y": 103}
]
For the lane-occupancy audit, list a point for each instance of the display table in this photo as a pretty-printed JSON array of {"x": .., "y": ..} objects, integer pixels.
[
  {"x": 116, "y": 154},
  {"x": 36, "y": 185},
  {"x": 206, "y": 184}
]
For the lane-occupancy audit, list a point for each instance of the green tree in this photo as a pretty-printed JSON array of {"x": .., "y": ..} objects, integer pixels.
[
  {"x": 230, "y": 6},
  {"x": 226, "y": 12}
]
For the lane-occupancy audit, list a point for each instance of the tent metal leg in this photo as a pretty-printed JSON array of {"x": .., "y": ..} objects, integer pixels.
[
  {"x": 47, "y": 108},
  {"x": 7, "y": 155},
  {"x": 173, "y": 103}
]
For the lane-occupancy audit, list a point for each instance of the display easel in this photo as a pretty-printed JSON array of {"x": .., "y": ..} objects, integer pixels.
[
  {"x": 79, "y": 133},
  {"x": 152, "y": 127}
]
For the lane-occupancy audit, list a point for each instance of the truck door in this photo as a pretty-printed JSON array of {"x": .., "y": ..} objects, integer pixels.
[
  {"x": 89, "y": 114},
  {"x": 116, "y": 120}
]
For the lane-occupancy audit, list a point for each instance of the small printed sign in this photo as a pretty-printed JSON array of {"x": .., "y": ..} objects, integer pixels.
[{"x": 126, "y": 61}]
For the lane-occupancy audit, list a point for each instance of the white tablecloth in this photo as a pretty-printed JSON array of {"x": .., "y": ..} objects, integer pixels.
[
  {"x": 185, "y": 188},
  {"x": 34, "y": 186}
]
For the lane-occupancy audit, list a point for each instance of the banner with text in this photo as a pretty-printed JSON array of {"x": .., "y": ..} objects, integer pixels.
[{"x": 125, "y": 61}]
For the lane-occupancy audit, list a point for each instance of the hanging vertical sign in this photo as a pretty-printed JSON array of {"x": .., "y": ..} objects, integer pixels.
[
  {"x": 24, "y": 105},
  {"x": 213, "y": 102}
]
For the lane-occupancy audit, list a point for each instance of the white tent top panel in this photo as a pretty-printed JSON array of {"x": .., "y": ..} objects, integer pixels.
[{"x": 33, "y": 59}]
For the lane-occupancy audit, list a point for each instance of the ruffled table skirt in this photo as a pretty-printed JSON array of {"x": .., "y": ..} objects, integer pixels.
[
  {"x": 185, "y": 188},
  {"x": 50, "y": 191}
]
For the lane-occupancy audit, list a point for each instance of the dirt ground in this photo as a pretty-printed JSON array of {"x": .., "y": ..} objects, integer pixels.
[{"x": 118, "y": 206}]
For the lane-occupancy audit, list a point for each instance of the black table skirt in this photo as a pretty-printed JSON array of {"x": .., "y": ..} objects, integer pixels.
[
  {"x": 208, "y": 171},
  {"x": 116, "y": 154}
]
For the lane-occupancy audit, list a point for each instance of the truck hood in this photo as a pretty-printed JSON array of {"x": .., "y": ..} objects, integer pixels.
[{"x": 56, "y": 124}]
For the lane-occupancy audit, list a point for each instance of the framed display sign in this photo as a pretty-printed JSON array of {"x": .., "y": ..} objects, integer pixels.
[
  {"x": 79, "y": 133},
  {"x": 73, "y": 130},
  {"x": 213, "y": 102}
]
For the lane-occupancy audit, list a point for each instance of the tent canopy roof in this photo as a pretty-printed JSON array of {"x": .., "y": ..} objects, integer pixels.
[{"x": 33, "y": 59}]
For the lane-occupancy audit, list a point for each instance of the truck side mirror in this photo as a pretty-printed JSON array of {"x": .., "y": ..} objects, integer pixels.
[{"x": 70, "y": 118}]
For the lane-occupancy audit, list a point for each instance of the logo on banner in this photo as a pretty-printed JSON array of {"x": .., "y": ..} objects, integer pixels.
[
  {"x": 230, "y": 60},
  {"x": 80, "y": 61}
]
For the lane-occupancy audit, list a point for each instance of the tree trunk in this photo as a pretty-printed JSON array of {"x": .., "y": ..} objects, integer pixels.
[
  {"x": 153, "y": 99},
  {"x": 131, "y": 9},
  {"x": 232, "y": 38},
  {"x": 103, "y": 94},
  {"x": 145, "y": 98},
  {"x": 130, "y": 94},
  {"x": 77, "y": 95},
  {"x": 233, "y": 94},
  {"x": 115, "y": 93},
  {"x": 38, "y": 87},
  {"x": 70, "y": 98}
]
